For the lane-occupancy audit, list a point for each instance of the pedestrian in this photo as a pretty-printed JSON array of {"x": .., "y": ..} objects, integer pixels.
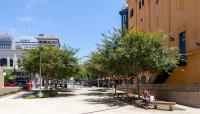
[{"x": 145, "y": 99}]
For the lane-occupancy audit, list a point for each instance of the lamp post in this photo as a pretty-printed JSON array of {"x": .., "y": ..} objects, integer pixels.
[
  {"x": 113, "y": 46},
  {"x": 40, "y": 94}
]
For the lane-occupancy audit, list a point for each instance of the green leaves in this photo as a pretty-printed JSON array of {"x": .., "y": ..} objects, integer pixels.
[
  {"x": 149, "y": 52},
  {"x": 56, "y": 63},
  {"x": 132, "y": 52},
  {"x": 9, "y": 76}
]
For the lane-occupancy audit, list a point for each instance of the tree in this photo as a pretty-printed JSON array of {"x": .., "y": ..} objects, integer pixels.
[
  {"x": 9, "y": 77},
  {"x": 56, "y": 63},
  {"x": 108, "y": 59},
  {"x": 147, "y": 52},
  {"x": 132, "y": 53}
]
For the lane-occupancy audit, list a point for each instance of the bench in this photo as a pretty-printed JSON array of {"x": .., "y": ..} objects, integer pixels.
[
  {"x": 170, "y": 104},
  {"x": 156, "y": 103}
]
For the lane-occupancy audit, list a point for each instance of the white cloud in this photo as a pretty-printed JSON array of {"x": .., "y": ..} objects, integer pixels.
[{"x": 25, "y": 18}]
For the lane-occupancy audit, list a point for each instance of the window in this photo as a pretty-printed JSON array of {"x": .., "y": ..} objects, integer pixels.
[
  {"x": 182, "y": 44},
  {"x": 141, "y": 3},
  {"x": 157, "y": 1},
  {"x": 140, "y": 6},
  {"x": 124, "y": 18},
  {"x": 132, "y": 12}
]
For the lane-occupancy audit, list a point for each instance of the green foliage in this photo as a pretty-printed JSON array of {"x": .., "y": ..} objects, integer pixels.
[
  {"x": 56, "y": 63},
  {"x": 9, "y": 77},
  {"x": 47, "y": 94},
  {"x": 131, "y": 52},
  {"x": 149, "y": 52}
]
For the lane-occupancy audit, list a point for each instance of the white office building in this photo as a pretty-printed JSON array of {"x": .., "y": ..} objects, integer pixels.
[{"x": 26, "y": 42}]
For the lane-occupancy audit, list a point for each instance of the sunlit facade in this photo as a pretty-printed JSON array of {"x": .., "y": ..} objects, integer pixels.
[{"x": 180, "y": 20}]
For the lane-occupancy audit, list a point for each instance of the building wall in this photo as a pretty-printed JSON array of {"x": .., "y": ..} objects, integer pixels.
[
  {"x": 6, "y": 41},
  {"x": 124, "y": 17},
  {"x": 172, "y": 17},
  {"x": 13, "y": 55},
  {"x": 9, "y": 90},
  {"x": 26, "y": 44},
  {"x": 171, "y": 93},
  {"x": 189, "y": 73}
]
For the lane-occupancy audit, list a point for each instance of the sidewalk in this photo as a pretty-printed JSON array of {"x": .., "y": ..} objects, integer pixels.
[{"x": 77, "y": 101}]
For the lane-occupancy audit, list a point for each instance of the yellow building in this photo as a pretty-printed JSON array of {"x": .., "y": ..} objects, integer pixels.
[{"x": 180, "y": 20}]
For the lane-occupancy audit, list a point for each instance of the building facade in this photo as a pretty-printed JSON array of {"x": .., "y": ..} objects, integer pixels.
[
  {"x": 8, "y": 53},
  {"x": 9, "y": 58},
  {"x": 180, "y": 20},
  {"x": 11, "y": 49},
  {"x": 124, "y": 16},
  {"x": 26, "y": 43},
  {"x": 6, "y": 42},
  {"x": 48, "y": 40}
]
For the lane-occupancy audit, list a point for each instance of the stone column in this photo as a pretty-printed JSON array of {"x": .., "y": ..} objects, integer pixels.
[
  {"x": 8, "y": 61},
  {"x": 15, "y": 64}
]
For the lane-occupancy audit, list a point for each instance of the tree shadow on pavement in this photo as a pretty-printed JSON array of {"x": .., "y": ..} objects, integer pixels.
[
  {"x": 101, "y": 110},
  {"x": 99, "y": 90},
  {"x": 101, "y": 97},
  {"x": 64, "y": 94},
  {"x": 107, "y": 101},
  {"x": 94, "y": 94},
  {"x": 60, "y": 94},
  {"x": 21, "y": 95}
]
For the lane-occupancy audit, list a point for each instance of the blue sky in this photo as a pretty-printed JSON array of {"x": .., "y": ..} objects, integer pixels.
[{"x": 78, "y": 23}]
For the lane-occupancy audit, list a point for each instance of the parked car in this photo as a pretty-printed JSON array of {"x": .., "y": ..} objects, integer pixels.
[
  {"x": 7, "y": 84},
  {"x": 25, "y": 85}
]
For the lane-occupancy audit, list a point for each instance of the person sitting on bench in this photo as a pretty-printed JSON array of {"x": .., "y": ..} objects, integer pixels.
[{"x": 145, "y": 99}]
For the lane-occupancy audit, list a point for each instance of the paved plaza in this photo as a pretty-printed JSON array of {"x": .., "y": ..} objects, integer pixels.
[{"x": 77, "y": 101}]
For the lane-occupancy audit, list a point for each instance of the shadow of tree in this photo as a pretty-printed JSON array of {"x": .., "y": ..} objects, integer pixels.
[
  {"x": 94, "y": 94},
  {"x": 64, "y": 94},
  {"x": 99, "y": 90},
  {"x": 107, "y": 101},
  {"x": 67, "y": 93},
  {"x": 101, "y": 110}
]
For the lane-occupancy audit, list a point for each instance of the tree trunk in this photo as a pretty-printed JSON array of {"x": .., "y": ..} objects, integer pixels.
[
  {"x": 138, "y": 85},
  {"x": 46, "y": 83},
  {"x": 115, "y": 87},
  {"x": 51, "y": 86},
  {"x": 127, "y": 85}
]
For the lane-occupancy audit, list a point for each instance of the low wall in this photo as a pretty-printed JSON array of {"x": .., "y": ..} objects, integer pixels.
[
  {"x": 1, "y": 78},
  {"x": 8, "y": 90},
  {"x": 127, "y": 88},
  {"x": 188, "y": 95},
  {"x": 184, "y": 98}
]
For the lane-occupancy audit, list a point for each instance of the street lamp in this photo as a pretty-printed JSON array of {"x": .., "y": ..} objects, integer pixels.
[
  {"x": 40, "y": 94},
  {"x": 113, "y": 47}
]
